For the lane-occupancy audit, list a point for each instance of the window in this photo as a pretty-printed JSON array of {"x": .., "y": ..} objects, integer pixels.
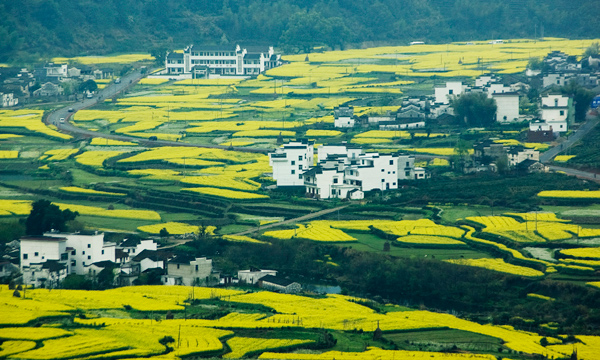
[
  {"x": 36, "y": 254},
  {"x": 335, "y": 181},
  {"x": 73, "y": 263},
  {"x": 102, "y": 252},
  {"x": 333, "y": 192},
  {"x": 89, "y": 257},
  {"x": 382, "y": 170},
  {"x": 83, "y": 253},
  {"x": 293, "y": 172},
  {"x": 562, "y": 112},
  {"x": 83, "y": 263},
  {"x": 299, "y": 158},
  {"x": 407, "y": 164},
  {"x": 73, "y": 252},
  {"x": 382, "y": 180},
  {"x": 196, "y": 267},
  {"x": 407, "y": 173},
  {"x": 89, "y": 246},
  {"x": 178, "y": 266},
  {"x": 450, "y": 92},
  {"x": 25, "y": 256},
  {"x": 293, "y": 162},
  {"x": 64, "y": 256},
  {"x": 394, "y": 184},
  {"x": 391, "y": 162}
]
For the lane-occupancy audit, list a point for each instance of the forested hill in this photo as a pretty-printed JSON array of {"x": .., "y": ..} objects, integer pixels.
[{"x": 30, "y": 28}]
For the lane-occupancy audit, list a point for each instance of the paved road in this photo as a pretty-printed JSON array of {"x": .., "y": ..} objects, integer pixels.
[
  {"x": 578, "y": 173},
  {"x": 576, "y": 136},
  {"x": 107, "y": 93},
  {"x": 295, "y": 220}
]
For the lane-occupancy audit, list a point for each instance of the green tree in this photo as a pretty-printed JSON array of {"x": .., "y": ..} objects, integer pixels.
[
  {"x": 45, "y": 216},
  {"x": 535, "y": 63},
  {"x": 475, "y": 108},
  {"x": 163, "y": 232},
  {"x": 581, "y": 96},
  {"x": 592, "y": 50},
  {"x": 88, "y": 85}
]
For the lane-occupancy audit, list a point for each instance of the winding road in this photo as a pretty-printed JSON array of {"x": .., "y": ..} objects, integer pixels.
[{"x": 109, "y": 92}]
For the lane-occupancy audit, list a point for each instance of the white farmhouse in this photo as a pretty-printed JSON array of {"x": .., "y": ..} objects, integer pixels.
[
  {"x": 290, "y": 161},
  {"x": 555, "y": 111},
  {"x": 450, "y": 90},
  {"x": 345, "y": 172},
  {"x": 518, "y": 154},
  {"x": 86, "y": 250},
  {"x": 507, "y": 106},
  {"x": 343, "y": 117}
]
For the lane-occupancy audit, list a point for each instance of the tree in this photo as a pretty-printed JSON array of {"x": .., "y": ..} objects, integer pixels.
[
  {"x": 581, "y": 96},
  {"x": 592, "y": 50},
  {"x": 88, "y": 85},
  {"x": 45, "y": 216},
  {"x": 535, "y": 63},
  {"x": 163, "y": 233},
  {"x": 475, "y": 108}
]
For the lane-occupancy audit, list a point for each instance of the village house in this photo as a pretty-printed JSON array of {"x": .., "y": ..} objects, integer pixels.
[
  {"x": 190, "y": 271},
  {"x": 8, "y": 99},
  {"x": 343, "y": 117},
  {"x": 253, "y": 275},
  {"x": 518, "y": 154},
  {"x": 451, "y": 89},
  {"x": 557, "y": 111},
  {"x": 76, "y": 252},
  {"x": 48, "y": 274},
  {"x": 49, "y": 89},
  {"x": 224, "y": 60},
  {"x": 342, "y": 171},
  {"x": 290, "y": 161},
  {"x": 274, "y": 283}
]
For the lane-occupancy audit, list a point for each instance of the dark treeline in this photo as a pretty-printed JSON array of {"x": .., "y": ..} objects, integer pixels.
[
  {"x": 479, "y": 294},
  {"x": 33, "y": 28}
]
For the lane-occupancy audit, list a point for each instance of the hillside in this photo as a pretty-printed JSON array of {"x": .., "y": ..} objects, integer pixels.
[{"x": 33, "y": 28}]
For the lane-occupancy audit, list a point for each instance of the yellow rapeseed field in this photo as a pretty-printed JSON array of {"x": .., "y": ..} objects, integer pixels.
[
  {"x": 230, "y": 194},
  {"x": 76, "y": 189},
  {"x": 499, "y": 265},
  {"x": 9, "y": 154},
  {"x": 570, "y": 194},
  {"x": 174, "y": 228},
  {"x": 96, "y": 158},
  {"x": 58, "y": 154},
  {"x": 241, "y": 346}
]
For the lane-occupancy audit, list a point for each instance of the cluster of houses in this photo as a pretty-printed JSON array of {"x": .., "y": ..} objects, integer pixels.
[
  {"x": 341, "y": 171},
  {"x": 46, "y": 81},
  {"x": 45, "y": 261},
  {"x": 555, "y": 115},
  {"x": 488, "y": 154},
  {"x": 198, "y": 62}
]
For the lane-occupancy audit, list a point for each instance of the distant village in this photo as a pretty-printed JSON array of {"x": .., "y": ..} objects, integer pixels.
[
  {"x": 345, "y": 172},
  {"x": 45, "y": 261}
]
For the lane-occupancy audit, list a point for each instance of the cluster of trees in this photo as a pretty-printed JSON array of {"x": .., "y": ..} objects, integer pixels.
[{"x": 42, "y": 27}]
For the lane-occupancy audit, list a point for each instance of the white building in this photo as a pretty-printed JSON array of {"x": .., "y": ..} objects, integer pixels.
[
  {"x": 507, "y": 106},
  {"x": 555, "y": 79},
  {"x": 189, "y": 271},
  {"x": 486, "y": 79},
  {"x": 86, "y": 250},
  {"x": 252, "y": 275},
  {"x": 8, "y": 99},
  {"x": 48, "y": 274},
  {"x": 59, "y": 71},
  {"x": 222, "y": 60},
  {"x": 450, "y": 90},
  {"x": 346, "y": 172},
  {"x": 555, "y": 111},
  {"x": 135, "y": 246},
  {"x": 290, "y": 161},
  {"x": 518, "y": 154},
  {"x": 39, "y": 249},
  {"x": 343, "y": 117}
]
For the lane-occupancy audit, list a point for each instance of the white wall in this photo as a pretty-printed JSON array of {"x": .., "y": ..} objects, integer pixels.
[
  {"x": 555, "y": 100},
  {"x": 38, "y": 251},
  {"x": 252, "y": 277},
  {"x": 452, "y": 88},
  {"x": 88, "y": 249},
  {"x": 508, "y": 108},
  {"x": 343, "y": 122}
]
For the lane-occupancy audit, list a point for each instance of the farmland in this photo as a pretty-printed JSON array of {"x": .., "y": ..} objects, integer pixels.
[
  {"x": 299, "y": 323},
  {"x": 450, "y": 249}
]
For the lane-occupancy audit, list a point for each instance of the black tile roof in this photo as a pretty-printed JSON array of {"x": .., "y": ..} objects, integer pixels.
[{"x": 276, "y": 280}]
